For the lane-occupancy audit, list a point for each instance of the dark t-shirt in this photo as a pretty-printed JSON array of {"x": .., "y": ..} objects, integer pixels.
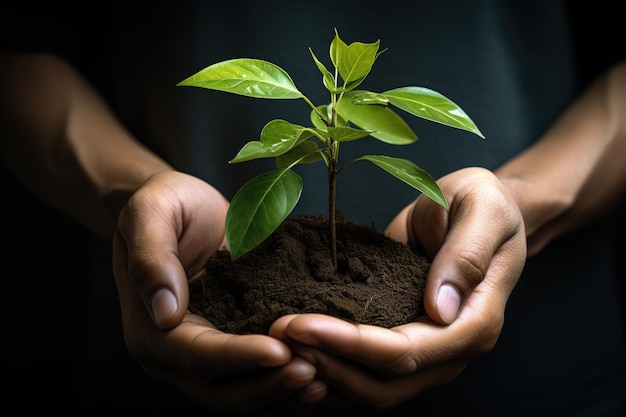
[{"x": 512, "y": 66}]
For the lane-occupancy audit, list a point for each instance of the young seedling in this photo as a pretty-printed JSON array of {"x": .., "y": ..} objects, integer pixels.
[{"x": 264, "y": 202}]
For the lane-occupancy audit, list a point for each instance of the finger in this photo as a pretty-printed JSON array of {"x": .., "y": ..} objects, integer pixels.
[
  {"x": 167, "y": 231},
  {"x": 353, "y": 386},
  {"x": 366, "y": 344},
  {"x": 483, "y": 222},
  {"x": 300, "y": 404},
  {"x": 222, "y": 371},
  {"x": 195, "y": 346},
  {"x": 159, "y": 280},
  {"x": 266, "y": 392},
  {"x": 161, "y": 284},
  {"x": 394, "y": 352},
  {"x": 208, "y": 351},
  {"x": 387, "y": 351}
]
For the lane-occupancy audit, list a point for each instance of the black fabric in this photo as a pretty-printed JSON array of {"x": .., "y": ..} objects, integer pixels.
[{"x": 512, "y": 66}]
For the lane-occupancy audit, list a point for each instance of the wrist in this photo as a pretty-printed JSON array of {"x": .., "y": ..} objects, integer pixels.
[{"x": 539, "y": 204}]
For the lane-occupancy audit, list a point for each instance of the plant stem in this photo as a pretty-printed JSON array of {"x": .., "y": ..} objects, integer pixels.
[
  {"x": 333, "y": 157},
  {"x": 332, "y": 221}
]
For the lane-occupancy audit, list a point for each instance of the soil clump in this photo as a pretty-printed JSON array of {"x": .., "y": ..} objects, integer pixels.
[{"x": 378, "y": 281}]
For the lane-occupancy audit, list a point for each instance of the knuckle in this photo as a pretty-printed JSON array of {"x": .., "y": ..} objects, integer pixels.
[{"x": 472, "y": 263}]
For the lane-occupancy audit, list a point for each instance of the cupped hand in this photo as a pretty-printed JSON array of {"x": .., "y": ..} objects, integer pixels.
[
  {"x": 165, "y": 235},
  {"x": 478, "y": 251}
]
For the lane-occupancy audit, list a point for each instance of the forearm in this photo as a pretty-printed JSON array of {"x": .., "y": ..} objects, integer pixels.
[
  {"x": 64, "y": 143},
  {"x": 576, "y": 171}
]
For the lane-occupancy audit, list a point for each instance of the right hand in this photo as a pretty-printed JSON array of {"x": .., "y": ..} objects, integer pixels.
[
  {"x": 478, "y": 249},
  {"x": 166, "y": 233}
]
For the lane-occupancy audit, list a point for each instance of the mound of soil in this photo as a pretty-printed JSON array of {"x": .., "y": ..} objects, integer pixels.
[{"x": 378, "y": 280}]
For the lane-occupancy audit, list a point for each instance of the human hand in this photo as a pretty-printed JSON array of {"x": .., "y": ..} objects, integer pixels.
[
  {"x": 165, "y": 235},
  {"x": 478, "y": 250}
]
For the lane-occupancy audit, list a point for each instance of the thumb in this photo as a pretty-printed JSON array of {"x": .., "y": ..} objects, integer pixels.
[
  {"x": 157, "y": 282},
  {"x": 447, "y": 302},
  {"x": 454, "y": 273},
  {"x": 461, "y": 263},
  {"x": 479, "y": 239}
]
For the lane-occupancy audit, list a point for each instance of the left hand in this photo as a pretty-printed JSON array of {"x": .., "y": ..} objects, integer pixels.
[
  {"x": 478, "y": 250},
  {"x": 166, "y": 233}
]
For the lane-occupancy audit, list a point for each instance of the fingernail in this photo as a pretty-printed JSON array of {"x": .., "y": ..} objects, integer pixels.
[
  {"x": 448, "y": 303},
  {"x": 163, "y": 305},
  {"x": 314, "y": 392}
]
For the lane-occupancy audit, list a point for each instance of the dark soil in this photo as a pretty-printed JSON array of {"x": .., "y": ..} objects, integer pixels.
[{"x": 379, "y": 281}]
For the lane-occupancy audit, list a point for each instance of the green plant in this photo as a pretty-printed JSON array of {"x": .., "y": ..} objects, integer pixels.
[{"x": 264, "y": 202}]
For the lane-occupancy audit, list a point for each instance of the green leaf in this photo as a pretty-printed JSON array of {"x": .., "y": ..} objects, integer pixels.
[
  {"x": 259, "y": 207},
  {"x": 337, "y": 49},
  {"x": 367, "y": 97},
  {"x": 349, "y": 86},
  {"x": 353, "y": 61},
  {"x": 431, "y": 105},
  {"x": 277, "y": 137},
  {"x": 326, "y": 111},
  {"x": 411, "y": 174},
  {"x": 305, "y": 153},
  {"x": 323, "y": 110},
  {"x": 383, "y": 123},
  {"x": 246, "y": 77},
  {"x": 357, "y": 60},
  {"x": 347, "y": 134},
  {"x": 327, "y": 78}
]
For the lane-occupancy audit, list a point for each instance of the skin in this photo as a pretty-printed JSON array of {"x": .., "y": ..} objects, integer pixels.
[
  {"x": 570, "y": 177},
  {"x": 478, "y": 249},
  {"x": 65, "y": 144}
]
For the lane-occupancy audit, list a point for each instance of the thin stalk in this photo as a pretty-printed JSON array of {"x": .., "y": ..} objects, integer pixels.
[
  {"x": 333, "y": 157},
  {"x": 332, "y": 221}
]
